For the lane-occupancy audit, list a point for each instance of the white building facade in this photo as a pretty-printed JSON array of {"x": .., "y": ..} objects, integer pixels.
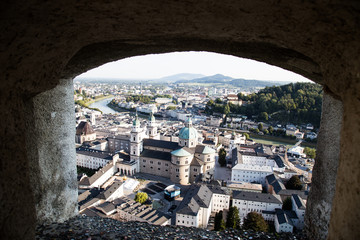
[{"x": 262, "y": 203}]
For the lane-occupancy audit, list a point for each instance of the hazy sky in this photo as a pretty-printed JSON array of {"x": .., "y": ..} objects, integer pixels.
[{"x": 161, "y": 65}]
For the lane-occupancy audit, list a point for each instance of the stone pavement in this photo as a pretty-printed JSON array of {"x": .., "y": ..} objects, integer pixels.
[{"x": 93, "y": 228}]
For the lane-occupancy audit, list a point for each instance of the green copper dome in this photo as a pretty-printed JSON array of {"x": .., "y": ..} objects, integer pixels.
[
  {"x": 181, "y": 153},
  {"x": 136, "y": 122},
  {"x": 188, "y": 132},
  {"x": 151, "y": 117}
]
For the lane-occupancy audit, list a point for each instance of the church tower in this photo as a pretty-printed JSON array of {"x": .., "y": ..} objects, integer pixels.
[
  {"x": 136, "y": 143},
  {"x": 152, "y": 127}
]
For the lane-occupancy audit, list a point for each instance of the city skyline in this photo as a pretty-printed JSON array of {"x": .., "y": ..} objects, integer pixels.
[{"x": 154, "y": 66}]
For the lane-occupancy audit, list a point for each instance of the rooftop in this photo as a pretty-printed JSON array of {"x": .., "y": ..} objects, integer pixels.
[{"x": 257, "y": 197}]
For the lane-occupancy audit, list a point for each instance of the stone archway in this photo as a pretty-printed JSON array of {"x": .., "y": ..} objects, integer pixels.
[{"x": 44, "y": 45}]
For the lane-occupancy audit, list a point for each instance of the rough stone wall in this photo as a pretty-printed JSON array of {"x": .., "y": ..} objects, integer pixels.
[
  {"x": 43, "y": 42},
  {"x": 322, "y": 192},
  {"x": 50, "y": 139}
]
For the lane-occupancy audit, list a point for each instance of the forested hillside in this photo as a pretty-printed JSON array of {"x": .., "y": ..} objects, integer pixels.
[{"x": 295, "y": 102}]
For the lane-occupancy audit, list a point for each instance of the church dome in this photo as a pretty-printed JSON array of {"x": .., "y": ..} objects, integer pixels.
[{"x": 188, "y": 132}]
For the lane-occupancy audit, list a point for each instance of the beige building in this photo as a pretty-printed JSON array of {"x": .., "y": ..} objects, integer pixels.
[
  {"x": 84, "y": 133},
  {"x": 181, "y": 162}
]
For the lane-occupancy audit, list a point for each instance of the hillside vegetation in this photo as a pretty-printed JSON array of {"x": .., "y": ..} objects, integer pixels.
[{"x": 295, "y": 102}]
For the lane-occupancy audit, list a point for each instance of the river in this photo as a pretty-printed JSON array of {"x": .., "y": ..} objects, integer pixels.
[{"x": 102, "y": 105}]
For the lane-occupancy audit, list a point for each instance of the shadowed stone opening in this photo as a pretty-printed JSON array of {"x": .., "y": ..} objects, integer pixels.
[{"x": 45, "y": 45}]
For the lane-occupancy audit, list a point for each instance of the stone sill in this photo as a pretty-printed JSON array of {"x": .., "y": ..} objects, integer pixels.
[{"x": 83, "y": 227}]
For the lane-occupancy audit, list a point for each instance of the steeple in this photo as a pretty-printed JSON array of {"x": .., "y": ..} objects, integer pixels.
[
  {"x": 152, "y": 127},
  {"x": 188, "y": 123},
  {"x": 151, "y": 117}
]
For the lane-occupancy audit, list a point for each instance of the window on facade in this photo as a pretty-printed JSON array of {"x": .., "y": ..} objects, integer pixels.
[
  {"x": 144, "y": 160},
  {"x": 151, "y": 162},
  {"x": 195, "y": 169},
  {"x": 159, "y": 169},
  {"x": 134, "y": 138},
  {"x": 177, "y": 170},
  {"x": 186, "y": 162},
  {"x": 159, "y": 163},
  {"x": 186, "y": 170}
]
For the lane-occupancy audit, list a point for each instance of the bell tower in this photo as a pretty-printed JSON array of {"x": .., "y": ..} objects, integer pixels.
[
  {"x": 152, "y": 127},
  {"x": 136, "y": 143}
]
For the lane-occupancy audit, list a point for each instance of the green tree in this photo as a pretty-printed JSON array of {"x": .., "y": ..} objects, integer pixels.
[
  {"x": 141, "y": 197},
  {"x": 219, "y": 223},
  {"x": 233, "y": 219},
  {"x": 171, "y": 108},
  {"x": 222, "y": 157},
  {"x": 246, "y": 135},
  {"x": 210, "y": 103},
  {"x": 260, "y": 126},
  {"x": 270, "y": 129},
  {"x": 287, "y": 204},
  {"x": 263, "y": 116},
  {"x": 227, "y": 109},
  {"x": 294, "y": 183},
  {"x": 218, "y": 100},
  {"x": 256, "y": 222},
  {"x": 265, "y": 131},
  {"x": 310, "y": 152}
]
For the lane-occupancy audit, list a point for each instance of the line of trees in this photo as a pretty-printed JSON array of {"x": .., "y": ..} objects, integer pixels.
[
  {"x": 253, "y": 220},
  {"x": 295, "y": 102}
]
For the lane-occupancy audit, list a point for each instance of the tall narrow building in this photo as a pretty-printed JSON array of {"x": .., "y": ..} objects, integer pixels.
[
  {"x": 152, "y": 128},
  {"x": 136, "y": 142}
]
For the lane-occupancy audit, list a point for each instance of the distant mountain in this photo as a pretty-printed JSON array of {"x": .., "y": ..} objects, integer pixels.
[
  {"x": 218, "y": 78},
  {"x": 243, "y": 83},
  {"x": 178, "y": 77}
]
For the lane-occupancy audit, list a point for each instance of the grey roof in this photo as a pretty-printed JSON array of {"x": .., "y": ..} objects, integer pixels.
[
  {"x": 94, "y": 153},
  {"x": 156, "y": 154},
  {"x": 196, "y": 162},
  {"x": 89, "y": 203},
  {"x": 106, "y": 207},
  {"x": 256, "y": 197},
  {"x": 115, "y": 186},
  {"x": 235, "y": 158},
  {"x": 87, "y": 195},
  {"x": 91, "y": 212},
  {"x": 289, "y": 192},
  {"x": 84, "y": 128},
  {"x": 275, "y": 183},
  {"x": 161, "y": 144},
  {"x": 299, "y": 202},
  {"x": 122, "y": 137},
  {"x": 88, "y": 181},
  {"x": 196, "y": 197},
  {"x": 216, "y": 189},
  {"x": 125, "y": 157},
  {"x": 279, "y": 161},
  {"x": 283, "y": 217}
]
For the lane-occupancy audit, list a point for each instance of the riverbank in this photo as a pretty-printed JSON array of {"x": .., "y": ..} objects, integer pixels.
[
  {"x": 86, "y": 103},
  {"x": 119, "y": 109}
]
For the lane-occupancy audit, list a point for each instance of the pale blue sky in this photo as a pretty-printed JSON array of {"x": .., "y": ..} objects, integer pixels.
[{"x": 161, "y": 65}]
